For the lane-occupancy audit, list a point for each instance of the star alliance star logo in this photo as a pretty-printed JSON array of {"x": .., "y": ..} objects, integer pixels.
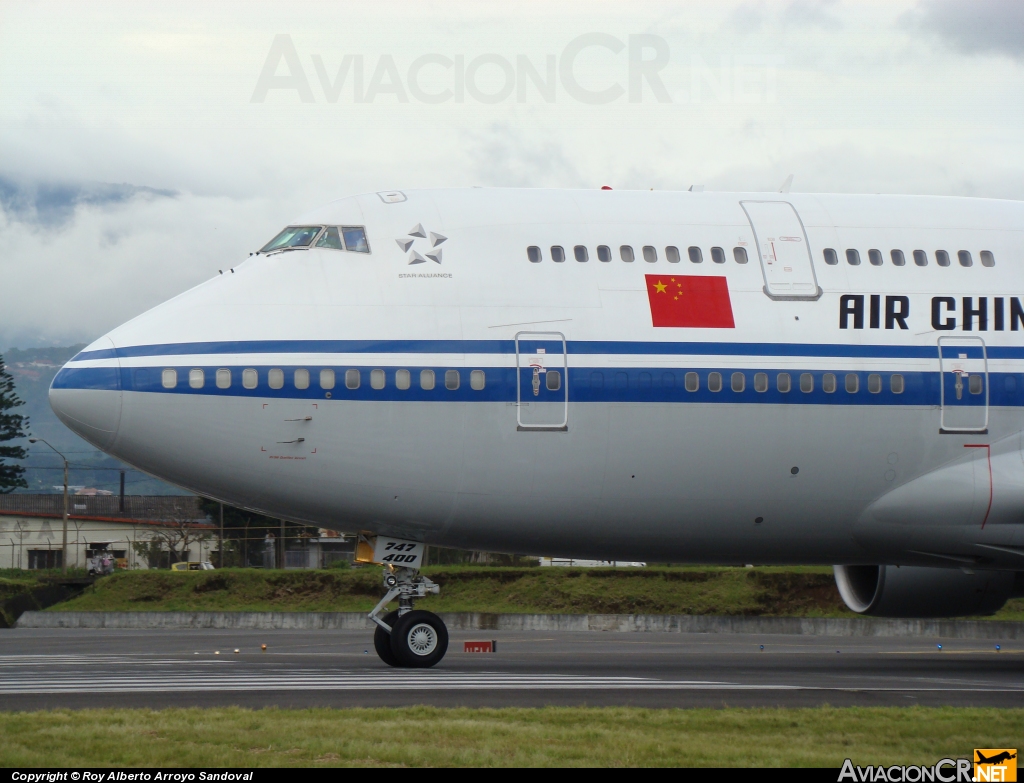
[{"x": 418, "y": 232}]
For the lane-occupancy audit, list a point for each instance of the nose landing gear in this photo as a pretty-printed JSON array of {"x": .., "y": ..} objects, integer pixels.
[{"x": 408, "y": 638}]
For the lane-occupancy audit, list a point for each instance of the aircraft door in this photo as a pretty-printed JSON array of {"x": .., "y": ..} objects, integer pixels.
[
  {"x": 542, "y": 388},
  {"x": 963, "y": 368},
  {"x": 783, "y": 249}
]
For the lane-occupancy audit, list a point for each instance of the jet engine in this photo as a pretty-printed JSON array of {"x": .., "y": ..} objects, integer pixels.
[{"x": 913, "y": 591}]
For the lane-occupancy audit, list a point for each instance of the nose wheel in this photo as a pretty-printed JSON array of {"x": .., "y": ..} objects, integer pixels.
[{"x": 408, "y": 638}]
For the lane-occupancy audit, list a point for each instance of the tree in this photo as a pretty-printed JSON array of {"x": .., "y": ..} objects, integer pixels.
[{"x": 11, "y": 427}]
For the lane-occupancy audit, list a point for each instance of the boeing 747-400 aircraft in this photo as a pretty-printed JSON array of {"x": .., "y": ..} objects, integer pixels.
[{"x": 648, "y": 376}]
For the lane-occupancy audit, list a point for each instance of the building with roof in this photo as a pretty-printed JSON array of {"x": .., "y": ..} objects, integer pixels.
[{"x": 137, "y": 530}]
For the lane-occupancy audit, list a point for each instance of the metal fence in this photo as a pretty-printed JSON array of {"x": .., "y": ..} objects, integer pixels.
[{"x": 152, "y": 507}]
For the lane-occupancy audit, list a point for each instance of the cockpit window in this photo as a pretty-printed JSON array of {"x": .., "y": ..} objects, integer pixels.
[
  {"x": 355, "y": 239},
  {"x": 330, "y": 239},
  {"x": 293, "y": 236}
]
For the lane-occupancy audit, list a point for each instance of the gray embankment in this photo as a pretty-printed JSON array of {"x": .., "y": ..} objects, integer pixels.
[{"x": 478, "y": 621}]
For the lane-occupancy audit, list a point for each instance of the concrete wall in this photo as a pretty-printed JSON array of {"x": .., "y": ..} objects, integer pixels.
[{"x": 476, "y": 621}]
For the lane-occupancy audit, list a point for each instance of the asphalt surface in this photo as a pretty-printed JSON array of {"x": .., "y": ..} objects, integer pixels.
[{"x": 76, "y": 668}]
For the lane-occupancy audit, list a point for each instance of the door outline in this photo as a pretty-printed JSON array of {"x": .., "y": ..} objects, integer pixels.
[
  {"x": 760, "y": 256},
  {"x": 951, "y": 342},
  {"x": 520, "y": 367}
]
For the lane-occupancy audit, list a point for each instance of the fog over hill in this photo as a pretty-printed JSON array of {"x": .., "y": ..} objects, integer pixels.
[{"x": 33, "y": 370}]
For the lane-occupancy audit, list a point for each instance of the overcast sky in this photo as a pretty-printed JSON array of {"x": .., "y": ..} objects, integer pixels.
[{"x": 143, "y": 148}]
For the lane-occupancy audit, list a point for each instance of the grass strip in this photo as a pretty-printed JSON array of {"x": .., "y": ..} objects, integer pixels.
[
  {"x": 768, "y": 591},
  {"x": 551, "y": 736}
]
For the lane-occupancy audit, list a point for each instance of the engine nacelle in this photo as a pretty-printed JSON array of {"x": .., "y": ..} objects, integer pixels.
[{"x": 912, "y": 591}]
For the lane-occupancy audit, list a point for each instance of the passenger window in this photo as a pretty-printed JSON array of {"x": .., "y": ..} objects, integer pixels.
[
  {"x": 964, "y": 257},
  {"x": 715, "y": 382},
  {"x": 830, "y": 256},
  {"x": 451, "y": 380},
  {"x": 169, "y": 378},
  {"x": 987, "y": 259},
  {"x": 976, "y": 384},
  {"x": 352, "y": 379},
  {"x": 597, "y": 380},
  {"x": 783, "y": 382},
  {"x": 920, "y": 258},
  {"x": 739, "y": 254},
  {"x": 554, "y": 380},
  {"x": 355, "y": 239},
  {"x": 672, "y": 254},
  {"x": 250, "y": 379},
  {"x": 327, "y": 379},
  {"x": 852, "y": 383},
  {"x": 533, "y": 253},
  {"x": 604, "y": 254},
  {"x": 580, "y": 251},
  {"x": 377, "y": 379},
  {"x": 896, "y": 385},
  {"x": 806, "y": 382},
  {"x": 223, "y": 379},
  {"x": 942, "y": 258},
  {"x": 330, "y": 239},
  {"x": 626, "y": 254},
  {"x": 557, "y": 254},
  {"x": 828, "y": 382},
  {"x": 301, "y": 379},
  {"x": 477, "y": 380},
  {"x": 275, "y": 379},
  {"x": 760, "y": 382},
  {"x": 691, "y": 382},
  {"x": 426, "y": 379},
  {"x": 874, "y": 383},
  {"x": 897, "y": 258},
  {"x": 403, "y": 379},
  {"x": 196, "y": 378},
  {"x": 718, "y": 255},
  {"x": 694, "y": 253},
  {"x": 853, "y": 257},
  {"x": 875, "y": 257},
  {"x": 739, "y": 381},
  {"x": 650, "y": 254}
]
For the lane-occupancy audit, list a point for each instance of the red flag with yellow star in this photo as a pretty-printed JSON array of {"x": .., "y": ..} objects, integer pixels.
[{"x": 695, "y": 301}]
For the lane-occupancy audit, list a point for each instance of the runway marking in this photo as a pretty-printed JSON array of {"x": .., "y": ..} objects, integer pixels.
[{"x": 390, "y": 681}]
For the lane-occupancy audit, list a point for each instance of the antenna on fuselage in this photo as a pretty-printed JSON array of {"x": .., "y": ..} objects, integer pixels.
[{"x": 787, "y": 184}]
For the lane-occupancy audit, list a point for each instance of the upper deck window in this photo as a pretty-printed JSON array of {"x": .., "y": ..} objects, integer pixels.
[
  {"x": 355, "y": 239},
  {"x": 293, "y": 236}
]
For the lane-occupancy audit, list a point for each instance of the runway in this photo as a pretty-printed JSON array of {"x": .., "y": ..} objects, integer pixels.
[{"x": 44, "y": 668}]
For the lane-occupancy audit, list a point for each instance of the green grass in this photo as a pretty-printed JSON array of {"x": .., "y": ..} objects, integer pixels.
[
  {"x": 562, "y": 736},
  {"x": 803, "y": 592},
  {"x": 762, "y": 591}
]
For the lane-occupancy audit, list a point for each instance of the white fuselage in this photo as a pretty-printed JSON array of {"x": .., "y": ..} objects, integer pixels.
[{"x": 866, "y": 413}]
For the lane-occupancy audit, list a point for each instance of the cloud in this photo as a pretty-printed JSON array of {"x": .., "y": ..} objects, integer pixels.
[
  {"x": 53, "y": 204},
  {"x": 974, "y": 26},
  {"x": 754, "y": 16}
]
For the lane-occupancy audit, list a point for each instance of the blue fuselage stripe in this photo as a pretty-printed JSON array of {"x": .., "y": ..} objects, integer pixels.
[{"x": 588, "y": 347}]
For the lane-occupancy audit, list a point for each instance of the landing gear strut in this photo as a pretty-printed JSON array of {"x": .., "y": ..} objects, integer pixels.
[{"x": 408, "y": 638}]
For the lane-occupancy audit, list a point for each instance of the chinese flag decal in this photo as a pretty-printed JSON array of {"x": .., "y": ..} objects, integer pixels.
[{"x": 694, "y": 301}]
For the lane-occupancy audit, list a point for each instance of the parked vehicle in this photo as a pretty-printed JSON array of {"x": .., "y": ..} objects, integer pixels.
[{"x": 206, "y": 565}]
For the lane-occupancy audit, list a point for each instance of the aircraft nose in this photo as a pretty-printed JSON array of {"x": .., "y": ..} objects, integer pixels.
[{"x": 86, "y": 394}]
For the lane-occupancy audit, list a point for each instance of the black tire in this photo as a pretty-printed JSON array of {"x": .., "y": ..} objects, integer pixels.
[
  {"x": 382, "y": 641},
  {"x": 419, "y": 640}
]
